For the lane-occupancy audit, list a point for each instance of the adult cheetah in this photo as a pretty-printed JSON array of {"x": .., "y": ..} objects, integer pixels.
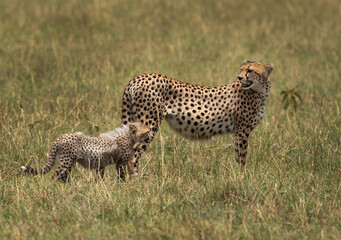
[
  {"x": 198, "y": 112},
  {"x": 115, "y": 146}
]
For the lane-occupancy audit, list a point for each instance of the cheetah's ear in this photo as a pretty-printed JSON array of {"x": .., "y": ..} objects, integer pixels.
[
  {"x": 247, "y": 61},
  {"x": 132, "y": 128},
  {"x": 269, "y": 68}
]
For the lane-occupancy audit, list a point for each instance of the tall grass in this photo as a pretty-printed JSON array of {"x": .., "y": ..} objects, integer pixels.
[{"x": 64, "y": 65}]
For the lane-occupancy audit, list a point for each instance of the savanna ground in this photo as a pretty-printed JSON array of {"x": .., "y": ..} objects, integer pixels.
[{"x": 64, "y": 65}]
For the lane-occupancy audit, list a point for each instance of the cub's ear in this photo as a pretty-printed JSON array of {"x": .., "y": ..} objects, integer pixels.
[
  {"x": 132, "y": 128},
  {"x": 269, "y": 68}
]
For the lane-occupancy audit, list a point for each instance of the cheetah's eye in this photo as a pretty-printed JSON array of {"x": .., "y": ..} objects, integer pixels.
[{"x": 249, "y": 71}]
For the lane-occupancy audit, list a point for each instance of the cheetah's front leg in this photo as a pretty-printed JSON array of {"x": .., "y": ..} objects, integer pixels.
[{"x": 240, "y": 146}]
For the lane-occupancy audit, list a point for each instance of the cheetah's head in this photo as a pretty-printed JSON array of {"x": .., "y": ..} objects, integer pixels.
[
  {"x": 139, "y": 132},
  {"x": 255, "y": 76}
]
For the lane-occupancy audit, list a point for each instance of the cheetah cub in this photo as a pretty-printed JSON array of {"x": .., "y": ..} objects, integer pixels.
[{"x": 115, "y": 146}]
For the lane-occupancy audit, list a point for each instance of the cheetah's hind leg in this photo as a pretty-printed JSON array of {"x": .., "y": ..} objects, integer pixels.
[{"x": 139, "y": 148}]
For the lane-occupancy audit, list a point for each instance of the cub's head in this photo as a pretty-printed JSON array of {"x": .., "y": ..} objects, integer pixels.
[
  {"x": 139, "y": 132},
  {"x": 255, "y": 76}
]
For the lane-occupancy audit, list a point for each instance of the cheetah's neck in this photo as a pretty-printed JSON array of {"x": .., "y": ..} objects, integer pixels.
[{"x": 266, "y": 90}]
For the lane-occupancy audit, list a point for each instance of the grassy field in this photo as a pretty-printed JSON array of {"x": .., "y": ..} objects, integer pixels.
[{"x": 63, "y": 68}]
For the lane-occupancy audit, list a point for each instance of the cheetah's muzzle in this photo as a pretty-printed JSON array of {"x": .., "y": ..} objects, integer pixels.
[{"x": 246, "y": 85}]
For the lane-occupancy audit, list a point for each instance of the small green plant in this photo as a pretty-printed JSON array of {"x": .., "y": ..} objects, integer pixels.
[{"x": 291, "y": 98}]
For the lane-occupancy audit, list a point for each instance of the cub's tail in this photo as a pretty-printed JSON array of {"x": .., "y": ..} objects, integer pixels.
[{"x": 50, "y": 162}]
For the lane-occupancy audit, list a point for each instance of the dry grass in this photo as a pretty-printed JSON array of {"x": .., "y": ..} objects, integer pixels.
[{"x": 63, "y": 67}]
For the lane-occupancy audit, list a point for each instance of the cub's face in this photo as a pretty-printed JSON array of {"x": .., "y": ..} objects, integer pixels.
[
  {"x": 140, "y": 132},
  {"x": 254, "y": 75}
]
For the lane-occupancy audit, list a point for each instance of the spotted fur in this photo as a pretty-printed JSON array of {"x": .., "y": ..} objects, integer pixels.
[
  {"x": 198, "y": 112},
  {"x": 113, "y": 147}
]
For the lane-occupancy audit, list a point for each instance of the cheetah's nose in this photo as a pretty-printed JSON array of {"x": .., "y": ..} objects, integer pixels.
[{"x": 240, "y": 78}]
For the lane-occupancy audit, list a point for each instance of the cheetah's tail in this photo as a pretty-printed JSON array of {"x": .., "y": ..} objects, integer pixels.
[{"x": 50, "y": 162}]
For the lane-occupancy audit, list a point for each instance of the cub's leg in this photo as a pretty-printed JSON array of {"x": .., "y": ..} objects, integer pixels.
[
  {"x": 100, "y": 173},
  {"x": 66, "y": 163},
  {"x": 121, "y": 171}
]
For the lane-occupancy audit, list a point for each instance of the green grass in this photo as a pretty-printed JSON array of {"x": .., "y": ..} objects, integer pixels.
[{"x": 64, "y": 65}]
